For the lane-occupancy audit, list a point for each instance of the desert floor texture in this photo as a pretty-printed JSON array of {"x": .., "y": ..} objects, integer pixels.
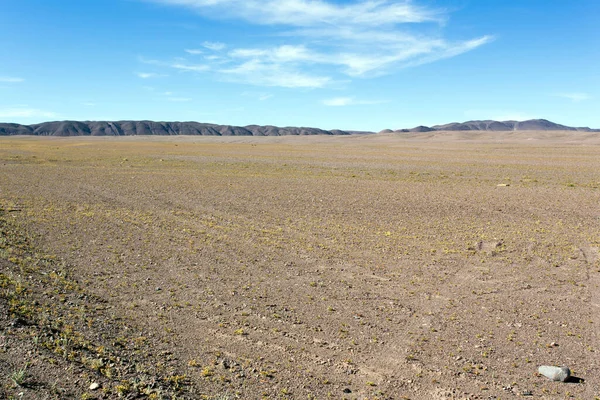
[{"x": 413, "y": 266}]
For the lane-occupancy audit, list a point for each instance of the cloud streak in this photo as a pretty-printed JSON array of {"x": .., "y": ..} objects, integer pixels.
[
  {"x": 11, "y": 79},
  {"x": 26, "y": 112},
  {"x": 190, "y": 67},
  {"x": 575, "y": 97},
  {"x": 215, "y": 46},
  {"x": 348, "y": 101},
  {"x": 147, "y": 75}
]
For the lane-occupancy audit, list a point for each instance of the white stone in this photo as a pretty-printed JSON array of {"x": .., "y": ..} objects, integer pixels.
[{"x": 560, "y": 374}]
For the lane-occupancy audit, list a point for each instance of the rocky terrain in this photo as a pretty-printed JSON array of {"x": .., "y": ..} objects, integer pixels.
[{"x": 422, "y": 266}]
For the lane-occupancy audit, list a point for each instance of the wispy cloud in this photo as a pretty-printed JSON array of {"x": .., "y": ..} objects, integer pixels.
[
  {"x": 26, "y": 112},
  {"x": 262, "y": 96},
  {"x": 11, "y": 79},
  {"x": 179, "y": 64},
  {"x": 272, "y": 74},
  {"x": 190, "y": 67},
  {"x": 148, "y": 75},
  {"x": 326, "y": 39},
  {"x": 574, "y": 97},
  {"x": 167, "y": 95},
  {"x": 215, "y": 46},
  {"x": 193, "y": 51},
  {"x": 355, "y": 64},
  {"x": 314, "y": 12},
  {"x": 348, "y": 101}
]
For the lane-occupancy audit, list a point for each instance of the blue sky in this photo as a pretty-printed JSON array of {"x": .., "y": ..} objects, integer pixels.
[{"x": 347, "y": 64}]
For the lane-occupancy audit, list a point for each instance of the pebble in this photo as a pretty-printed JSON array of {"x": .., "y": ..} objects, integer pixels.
[
  {"x": 560, "y": 374},
  {"x": 94, "y": 386}
]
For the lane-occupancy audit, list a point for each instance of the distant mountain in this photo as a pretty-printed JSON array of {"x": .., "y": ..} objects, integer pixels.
[
  {"x": 130, "y": 128},
  {"x": 498, "y": 126}
]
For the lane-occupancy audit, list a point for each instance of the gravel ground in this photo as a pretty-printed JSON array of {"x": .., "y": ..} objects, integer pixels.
[{"x": 417, "y": 266}]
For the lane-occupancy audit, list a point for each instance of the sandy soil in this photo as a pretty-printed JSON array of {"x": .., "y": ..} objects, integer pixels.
[{"x": 416, "y": 266}]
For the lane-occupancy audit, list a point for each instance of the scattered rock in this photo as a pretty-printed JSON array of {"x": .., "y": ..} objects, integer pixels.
[
  {"x": 555, "y": 373},
  {"x": 503, "y": 184},
  {"x": 18, "y": 322},
  {"x": 94, "y": 386},
  {"x": 226, "y": 363},
  {"x": 347, "y": 390},
  {"x": 527, "y": 393}
]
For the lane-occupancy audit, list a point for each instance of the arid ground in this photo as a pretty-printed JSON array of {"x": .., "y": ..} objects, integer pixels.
[{"x": 415, "y": 266}]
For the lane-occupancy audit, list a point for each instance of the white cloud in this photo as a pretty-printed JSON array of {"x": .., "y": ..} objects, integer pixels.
[
  {"x": 193, "y": 51},
  {"x": 338, "y": 101},
  {"x": 190, "y": 67},
  {"x": 179, "y": 64},
  {"x": 314, "y": 12},
  {"x": 25, "y": 112},
  {"x": 147, "y": 75},
  {"x": 149, "y": 61},
  {"x": 348, "y": 101},
  {"x": 575, "y": 97},
  {"x": 269, "y": 74},
  {"x": 11, "y": 79},
  {"x": 214, "y": 46},
  {"x": 262, "y": 96},
  {"x": 285, "y": 53},
  {"x": 327, "y": 38},
  {"x": 448, "y": 50}
]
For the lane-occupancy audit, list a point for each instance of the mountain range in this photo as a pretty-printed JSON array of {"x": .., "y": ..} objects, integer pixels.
[
  {"x": 130, "y": 128},
  {"x": 498, "y": 126}
]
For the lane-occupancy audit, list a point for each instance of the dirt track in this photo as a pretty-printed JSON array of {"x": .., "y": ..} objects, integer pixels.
[{"x": 423, "y": 266}]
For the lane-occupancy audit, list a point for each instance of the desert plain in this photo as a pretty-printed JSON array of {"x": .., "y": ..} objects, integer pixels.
[{"x": 443, "y": 265}]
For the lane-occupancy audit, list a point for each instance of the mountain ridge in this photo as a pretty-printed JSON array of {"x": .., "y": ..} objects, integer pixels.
[
  {"x": 499, "y": 126},
  {"x": 146, "y": 127}
]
